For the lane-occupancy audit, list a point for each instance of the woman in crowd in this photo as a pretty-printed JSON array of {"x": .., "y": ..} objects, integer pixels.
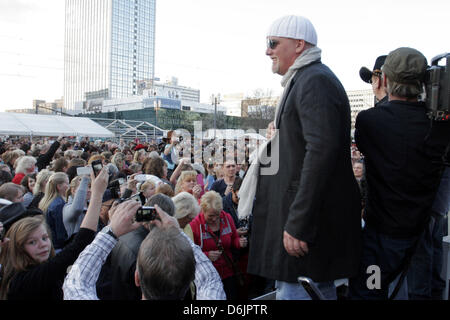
[
  {"x": 166, "y": 189},
  {"x": 187, "y": 182},
  {"x": 139, "y": 156},
  {"x": 30, "y": 268},
  {"x": 128, "y": 157},
  {"x": 156, "y": 167},
  {"x": 107, "y": 156},
  {"x": 118, "y": 160},
  {"x": 60, "y": 165},
  {"x": 25, "y": 165},
  {"x": 147, "y": 189},
  {"x": 52, "y": 205},
  {"x": 77, "y": 197},
  {"x": 74, "y": 164},
  {"x": 186, "y": 209},
  {"x": 97, "y": 157},
  {"x": 28, "y": 182},
  {"x": 211, "y": 177},
  {"x": 183, "y": 165},
  {"x": 214, "y": 231},
  {"x": 10, "y": 158},
  {"x": 170, "y": 153},
  {"x": 39, "y": 187}
]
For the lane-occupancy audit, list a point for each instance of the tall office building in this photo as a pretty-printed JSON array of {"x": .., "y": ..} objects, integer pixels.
[{"x": 109, "y": 47}]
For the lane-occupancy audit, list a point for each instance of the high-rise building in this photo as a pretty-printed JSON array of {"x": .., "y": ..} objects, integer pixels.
[
  {"x": 109, "y": 47},
  {"x": 359, "y": 100}
]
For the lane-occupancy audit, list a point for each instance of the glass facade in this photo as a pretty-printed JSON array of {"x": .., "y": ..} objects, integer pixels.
[
  {"x": 169, "y": 119},
  {"x": 109, "y": 47}
]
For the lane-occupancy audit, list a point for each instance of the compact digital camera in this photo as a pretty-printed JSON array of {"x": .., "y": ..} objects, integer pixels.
[{"x": 145, "y": 214}]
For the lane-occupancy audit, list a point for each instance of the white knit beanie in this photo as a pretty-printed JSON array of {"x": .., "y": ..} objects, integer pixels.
[{"x": 294, "y": 27}]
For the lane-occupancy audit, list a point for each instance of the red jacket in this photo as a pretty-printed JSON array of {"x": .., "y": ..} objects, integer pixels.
[
  {"x": 228, "y": 237},
  {"x": 18, "y": 178}
]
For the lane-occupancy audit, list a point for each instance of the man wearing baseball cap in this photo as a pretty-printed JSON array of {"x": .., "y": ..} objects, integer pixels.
[
  {"x": 306, "y": 214},
  {"x": 403, "y": 168},
  {"x": 374, "y": 78}
]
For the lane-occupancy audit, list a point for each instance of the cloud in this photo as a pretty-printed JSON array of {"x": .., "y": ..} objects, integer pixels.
[{"x": 15, "y": 11}]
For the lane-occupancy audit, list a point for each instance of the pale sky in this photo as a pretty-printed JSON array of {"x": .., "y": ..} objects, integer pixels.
[{"x": 219, "y": 46}]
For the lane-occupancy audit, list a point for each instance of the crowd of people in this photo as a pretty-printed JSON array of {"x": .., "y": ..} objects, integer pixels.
[
  {"x": 53, "y": 205},
  {"x": 128, "y": 220}
]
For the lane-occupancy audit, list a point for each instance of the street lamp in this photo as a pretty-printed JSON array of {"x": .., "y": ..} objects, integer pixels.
[
  {"x": 215, "y": 100},
  {"x": 156, "y": 106}
]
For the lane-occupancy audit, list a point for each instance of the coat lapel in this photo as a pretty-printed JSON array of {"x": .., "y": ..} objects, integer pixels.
[{"x": 283, "y": 102}]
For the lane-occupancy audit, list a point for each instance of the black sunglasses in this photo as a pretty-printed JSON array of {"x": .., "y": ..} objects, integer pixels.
[{"x": 272, "y": 44}]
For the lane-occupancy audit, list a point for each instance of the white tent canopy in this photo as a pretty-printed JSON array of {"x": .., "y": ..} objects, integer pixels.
[{"x": 23, "y": 124}]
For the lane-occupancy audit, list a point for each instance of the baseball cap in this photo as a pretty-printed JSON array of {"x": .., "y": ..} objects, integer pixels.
[
  {"x": 405, "y": 65},
  {"x": 294, "y": 27},
  {"x": 366, "y": 74}
]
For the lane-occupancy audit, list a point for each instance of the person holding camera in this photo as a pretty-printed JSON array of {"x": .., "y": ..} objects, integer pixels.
[
  {"x": 403, "y": 156},
  {"x": 30, "y": 268},
  {"x": 77, "y": 196},
  {"x": 165, "y": 243},
  {"x": 124, "y": 254}
]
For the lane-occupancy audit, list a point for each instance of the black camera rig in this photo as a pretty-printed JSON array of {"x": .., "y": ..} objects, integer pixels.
[{"x": 437, "y": 88}]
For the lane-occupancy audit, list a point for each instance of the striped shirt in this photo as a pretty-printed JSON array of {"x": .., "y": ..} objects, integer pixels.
[{"x": 80, "y": 282}]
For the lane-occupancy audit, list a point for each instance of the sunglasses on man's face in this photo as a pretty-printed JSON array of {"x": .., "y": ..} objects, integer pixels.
[{"x": 272, "y": 44}]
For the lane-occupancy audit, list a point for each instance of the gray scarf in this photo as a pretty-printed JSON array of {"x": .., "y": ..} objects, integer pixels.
[{"x": 247, "y": 191}]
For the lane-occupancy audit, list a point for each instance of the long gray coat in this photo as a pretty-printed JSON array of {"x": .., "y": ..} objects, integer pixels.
[{"x": 314, "y": 196}]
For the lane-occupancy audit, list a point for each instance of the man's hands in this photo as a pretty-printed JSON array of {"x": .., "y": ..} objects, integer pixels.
[
  {"x": 293, "y": 246},
  {"x": 197, "y": 191},
  {"x": 132, "y": 183},
  {"x": 165, "y": 221},
  {"x": 122, "y": 221},
  {"x": 213, "y": 255},
  {"x": 228, "y": 189}
]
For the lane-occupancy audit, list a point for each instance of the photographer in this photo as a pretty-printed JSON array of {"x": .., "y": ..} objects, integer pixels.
[
  {"x": 124, "y": 254},
  {"x": 165, "y": 238},
  {"x": 170, "y": 153},
  {"x": 403, "y": 158},
  {"x": 77, "y": 196}
]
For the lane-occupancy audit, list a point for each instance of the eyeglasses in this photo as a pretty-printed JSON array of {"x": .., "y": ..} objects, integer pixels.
[{"x": 272, "y": 44}]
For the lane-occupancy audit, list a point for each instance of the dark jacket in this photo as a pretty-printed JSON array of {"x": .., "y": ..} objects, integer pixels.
[
  {"x": 54, "y": 218},
  {"x": 123, "y": 265},
  {"x": 314, "y": 195},
  {"x": 45, "y": 281},
  {"x": 228, "y": 207},
  {"x": 35, "y": 202},
  {"x": 219, "y": 186},
  {"x": 403, "y": 159},
  {"x": 44, "y": 159}
]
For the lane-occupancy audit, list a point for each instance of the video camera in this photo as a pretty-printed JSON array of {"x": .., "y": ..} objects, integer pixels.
[{"x": 437, "y": 88}]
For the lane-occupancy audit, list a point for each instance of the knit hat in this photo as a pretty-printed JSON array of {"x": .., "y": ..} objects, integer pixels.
[{"x": 294, "y": 27}]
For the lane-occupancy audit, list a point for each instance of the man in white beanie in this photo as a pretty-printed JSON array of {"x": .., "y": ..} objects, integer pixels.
[{"x": 306, "y": 214}]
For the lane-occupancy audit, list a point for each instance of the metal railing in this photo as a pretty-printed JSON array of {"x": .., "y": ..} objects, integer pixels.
[{"x": 131, "y": 129}]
